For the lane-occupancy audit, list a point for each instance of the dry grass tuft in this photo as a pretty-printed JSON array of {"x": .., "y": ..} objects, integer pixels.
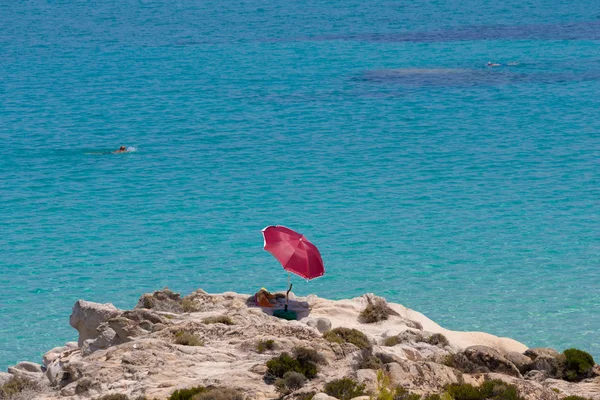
[
  {"x": 187, "y": 339},
  {"x": 264, "y": 345},
  {"x": 347, "y": 335},
  {"x": 219, "y": 319},
  {"x": 374, "y": 312}
]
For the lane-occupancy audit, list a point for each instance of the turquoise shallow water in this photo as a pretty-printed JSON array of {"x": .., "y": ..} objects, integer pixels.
[{"x": 468, "y": 193}]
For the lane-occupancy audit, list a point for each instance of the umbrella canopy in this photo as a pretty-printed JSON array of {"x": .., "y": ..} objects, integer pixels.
[{"x": 295, "y": 253}]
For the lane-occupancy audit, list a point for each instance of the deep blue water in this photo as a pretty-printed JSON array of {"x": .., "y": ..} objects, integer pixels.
[{"x": 469, "y": 193}]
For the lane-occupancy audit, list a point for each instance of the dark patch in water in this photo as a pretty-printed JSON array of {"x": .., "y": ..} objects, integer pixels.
[
  {"x": 585, "y": 30},
  {"x": 448, "y": 77}
]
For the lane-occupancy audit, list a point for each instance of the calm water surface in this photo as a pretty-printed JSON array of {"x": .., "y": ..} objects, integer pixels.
[{"x": 468, "y": 193}]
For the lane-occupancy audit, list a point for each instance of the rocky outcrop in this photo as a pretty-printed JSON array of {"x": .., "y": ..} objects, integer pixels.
[
  {"x": 536, "y": 352},
  {"x": 321, "y": 324},
  {"x": 87, "y": 317},
  {"x": 521, "y": 361},
  {"x": 423, "y": 376},
  {"x": 223, "y": 340},
  {"x": 484, "y": 359}
]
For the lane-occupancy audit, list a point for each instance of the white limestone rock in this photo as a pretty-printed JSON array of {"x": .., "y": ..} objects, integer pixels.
[
  {"x": 5, "y": 377},
  {"x": 321, "y": 324},
  {"x": 87, "y": 317},
  {"x": 323, "y": 396}
]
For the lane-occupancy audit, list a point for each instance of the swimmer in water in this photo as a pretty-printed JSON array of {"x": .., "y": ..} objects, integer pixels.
[
  {"x": 122, "y": 149},
  {"x": 491, "y": 64}
]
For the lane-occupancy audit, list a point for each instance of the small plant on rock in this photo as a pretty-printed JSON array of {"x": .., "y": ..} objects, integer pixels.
[
  {"x": 489, "y": 390},
  {"x": 187, "y": 339},
  {"x": 437, "y": 339},
  {"x": 344, "y": 389},
  {"x": 187, "y": 394},
  {"x": 464, "y": 392},
  {"x": 277, "y": 367},
  {"x": 403, "y": 394},
  {"x": 189, "y": 305},
  {"x": 368, "y": 360},
  {"x": 115, "y": 396},
  {"x": 347, "y": 335},
  {"x": 290, "y": 382},
  {"x": 264, "y": 345},
  {"x": 17, "y": 385},
  {"x": 375, "y": 311},
  {"x": 384, "y": 389},
  {"x": 304, "y": 354},
  {"x": 497, "y": 389},
  {"x": 219, "y": 394},
  {"x": 219, "y": 319},
  {"x": 392, "y": 341}
]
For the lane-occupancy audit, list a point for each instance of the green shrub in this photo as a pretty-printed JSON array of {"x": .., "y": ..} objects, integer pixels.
[
  {"x": 304, "y": 354},
  {"x": 575, "y": 398},
  {"x": 219, "y": 394},
  {"x": 347, "y": 335},
  {"x": 344, "y": 389},
  {"x": 403, "y": 394},
  {"x": 219, "y": 319},
  {"x": 489, "y": 390},
  {"x": 392, "y": 341},
  {"x": 290, "y": 382},
  {"x": 432, "y": 397},
  {"x": 263, "y": 345},
  {"x": 17, "y": 385},
  {"x": 578, "y": 364},
  {"x": 498, "y": 389},
  {"x": 187, "y": 394},
  {"x": 277, "y": 367},
  {"x": 437, "y": 339},
  {"x": 464, "y": 392},
  {"x": 368, "y": 360},
  {"x": 187, "y": 339},
  {"x": 374, "y": 312}
]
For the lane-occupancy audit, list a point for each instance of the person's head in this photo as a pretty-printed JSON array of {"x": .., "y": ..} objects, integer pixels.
[{"x": 122, "y": 148}]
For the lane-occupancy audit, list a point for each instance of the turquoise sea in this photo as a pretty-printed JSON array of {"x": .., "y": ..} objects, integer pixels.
[{"x": 467, "y": 192}]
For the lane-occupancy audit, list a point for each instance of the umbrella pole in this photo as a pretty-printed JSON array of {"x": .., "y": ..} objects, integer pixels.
[{"x": 288, "y": 292}]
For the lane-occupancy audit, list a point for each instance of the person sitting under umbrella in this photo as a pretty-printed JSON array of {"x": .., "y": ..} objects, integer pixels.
[{"x": 263, "y": 298}]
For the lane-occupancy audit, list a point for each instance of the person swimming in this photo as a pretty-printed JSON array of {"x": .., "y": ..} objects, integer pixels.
[
  {"x": 491, "y": 64},
  {"x": 122, "y": 149}
]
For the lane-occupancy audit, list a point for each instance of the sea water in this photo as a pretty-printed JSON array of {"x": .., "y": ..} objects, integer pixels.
[{"x": 469, "y": 193}]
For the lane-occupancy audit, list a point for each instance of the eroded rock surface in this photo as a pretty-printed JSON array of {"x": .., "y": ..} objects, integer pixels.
[{"x": 168, "y": 342}]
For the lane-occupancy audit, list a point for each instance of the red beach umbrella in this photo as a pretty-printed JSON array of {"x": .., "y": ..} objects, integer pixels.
[{"x": 295, "y": 253}]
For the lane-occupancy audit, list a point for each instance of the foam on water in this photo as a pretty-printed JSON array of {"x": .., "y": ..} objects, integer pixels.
[{"x": 468, "y": 193}]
